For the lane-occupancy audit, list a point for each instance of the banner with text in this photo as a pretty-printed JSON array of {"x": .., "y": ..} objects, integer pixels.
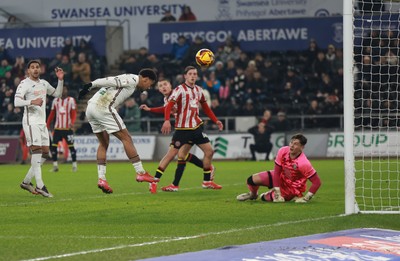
[
  {"x": 8, "y": 149},
  {"x": 86, "y": 147},
  {"x": 140, "y": 13},
  {"x": 252, "y": 35},
  {"x": 371, "y": 144},
  {"x": 46, "y": 42}
]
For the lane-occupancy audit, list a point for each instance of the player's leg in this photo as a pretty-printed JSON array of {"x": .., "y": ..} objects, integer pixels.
[
  {"x": 208, "y": 151},
  {"x": 130, "y": 150},
  {"x": 70, "y": 142},
  {"x": 54, "y": 149},
  {"x": 104, "y": 141},
  {"x": 253, "y": 151},
  {"x": 179, "y": 143},
  {"x": 97, "y": 120},
  {"x": 263, "y": 178},
  {"x": 162, "y": 166},
  {"x": 40, "y": 153}
]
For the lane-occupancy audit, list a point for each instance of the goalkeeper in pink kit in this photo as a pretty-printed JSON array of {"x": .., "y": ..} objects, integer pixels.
[{"x": 288, "y": 180}]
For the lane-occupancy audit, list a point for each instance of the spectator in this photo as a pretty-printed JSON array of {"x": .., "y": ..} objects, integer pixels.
[
  {"x": 331, "y": 53},
  {"x": 67, "y": 68},
  {"x": 212, "y": 84},
  {"x": 320, "y": 65},
  {"x": 314, "y": 110},
  {"x": 81, "y": 70},
  {"x": 281, "y": 124},
  {"x": 262, "y": 140},
  {"x": 18, "y": 70},
  {"x": 130, "y": 65},
  {"x": 68, "y": 46},
  {"x": 180, "y": 49},
  {"x": 13, "y": 23},
  {"x": 187, "y": 14},
  {"x": 266, "y": 118},
  {"x": 4, "y": 67},
  {"x": 248, "y": 108},
  {"x": 168, "y": 17},
  {"x": 131, "y": 115}
]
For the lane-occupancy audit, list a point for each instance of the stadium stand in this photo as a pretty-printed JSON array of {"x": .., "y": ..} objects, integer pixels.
[{"x": 243, "y": 83}]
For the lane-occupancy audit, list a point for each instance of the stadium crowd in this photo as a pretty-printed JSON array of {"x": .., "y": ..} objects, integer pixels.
[{"x": 308, "y": 82}]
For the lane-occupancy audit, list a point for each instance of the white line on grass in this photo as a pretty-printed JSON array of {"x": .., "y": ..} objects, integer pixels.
[{"x": 181, "y": 238}]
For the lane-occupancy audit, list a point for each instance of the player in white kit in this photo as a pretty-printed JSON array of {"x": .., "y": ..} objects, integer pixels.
[
  {"x": 104, "y": 119},
  {"x": 31, "y": 94}
]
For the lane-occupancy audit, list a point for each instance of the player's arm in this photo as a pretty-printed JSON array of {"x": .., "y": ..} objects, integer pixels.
[
  {"x": 50, "y": 118},
  {"x": 207, "y": 110},
  {"x": 20, "y": 101},
  {"x": 123, "y": 80},
  {"x": 166, "y": 128},
  {"x": 159, "y": 110},
  {"x": 57, "y": 92},
  {"x": 73, "y": 118},
  {"x": 315, "y": 184}
]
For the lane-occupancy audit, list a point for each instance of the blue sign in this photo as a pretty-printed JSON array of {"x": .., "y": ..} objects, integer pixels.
[
  {"x": 46, "y": 42},
  {"x": 252, "y": 35},
  {"x": 354, "y": 244}
]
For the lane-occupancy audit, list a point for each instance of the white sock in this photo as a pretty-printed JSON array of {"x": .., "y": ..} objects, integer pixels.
[
  {"x": 101, "y": 171},
  {"x": 36, "y": 163},
  {"x": 74, "y": 164},
  {"x": 55, "y": 163},
  {"x": 138, "y": 167},
  {"x": 277, "y": 191},
  {"x": 30, "y": 174}
]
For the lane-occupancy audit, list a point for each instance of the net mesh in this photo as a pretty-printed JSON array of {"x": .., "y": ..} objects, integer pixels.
[{"x": 376, "y": 105}]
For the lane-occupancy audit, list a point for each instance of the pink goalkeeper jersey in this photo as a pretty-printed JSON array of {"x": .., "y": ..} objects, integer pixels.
[{"x": 295, "y": 172}]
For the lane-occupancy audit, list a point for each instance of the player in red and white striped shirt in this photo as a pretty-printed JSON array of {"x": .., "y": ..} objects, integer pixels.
[
  {"x": 63, "y": 109},
  {"x": 187, "y": 98}
]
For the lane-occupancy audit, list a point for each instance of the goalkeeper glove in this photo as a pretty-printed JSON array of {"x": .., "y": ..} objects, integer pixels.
[
  {"x": 84, "y": 90},
  {"x": 305, "y": 199}
]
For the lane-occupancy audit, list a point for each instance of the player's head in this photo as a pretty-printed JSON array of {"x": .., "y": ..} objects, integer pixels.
[
  {"x": 147, "y": 77},
  {"x": 190, "y": 75},
  {"x": 164, "y": 87},
  {"x": 33, "y": 69},
  {"x": 297, "y": 143}
]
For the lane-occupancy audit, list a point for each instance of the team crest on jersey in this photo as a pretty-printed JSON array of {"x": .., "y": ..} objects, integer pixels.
[
  {"x": 177, "y": 144},
  {"x": 294, "y": 166}
]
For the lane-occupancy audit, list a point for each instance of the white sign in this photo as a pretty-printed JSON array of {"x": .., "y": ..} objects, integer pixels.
[
  {"x": 365, "y": 144},
  {"x": 86, "y": 147},
  {"x": 140, "y": 13}
]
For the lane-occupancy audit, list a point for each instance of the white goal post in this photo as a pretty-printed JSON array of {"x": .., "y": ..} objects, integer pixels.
[{"x": 371, "y": 42}]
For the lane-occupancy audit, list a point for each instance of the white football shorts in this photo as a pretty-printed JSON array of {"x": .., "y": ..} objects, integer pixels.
[
  {"x": 104, "y": 119},
  {"x": 37, "y": 135}
]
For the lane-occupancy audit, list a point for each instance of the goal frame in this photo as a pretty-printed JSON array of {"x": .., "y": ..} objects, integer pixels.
[{"x": 351, "y": 206}]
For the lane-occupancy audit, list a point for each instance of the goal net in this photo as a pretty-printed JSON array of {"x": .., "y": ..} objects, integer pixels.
[{"x": 372, "y": 118}]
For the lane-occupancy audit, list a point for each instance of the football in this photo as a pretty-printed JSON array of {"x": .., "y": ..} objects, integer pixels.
[{"x": 205, "y": 57}]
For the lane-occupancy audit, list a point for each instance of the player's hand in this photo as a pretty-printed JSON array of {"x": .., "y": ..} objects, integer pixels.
[
  {"x": 60, "y": 73},
  {"x": 144, "y": 107},
  {"x": 304, "y": 199},
  {"x": 220, "y": 125},
  {"x": 37, "y": 102},
  {"x": 84, "y": 90},
  {"x": 166, "y": 128},
  {"x": 301, "y": 200}
]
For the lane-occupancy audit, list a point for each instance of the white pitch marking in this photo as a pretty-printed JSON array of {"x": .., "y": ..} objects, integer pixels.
[{"x": 179, "y": 238}]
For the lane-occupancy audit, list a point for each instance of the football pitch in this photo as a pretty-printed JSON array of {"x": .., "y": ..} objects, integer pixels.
[{"x": 82, "y": 223}]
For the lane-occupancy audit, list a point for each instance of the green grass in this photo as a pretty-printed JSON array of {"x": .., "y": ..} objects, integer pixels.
[{"x": 132, "y": 224}]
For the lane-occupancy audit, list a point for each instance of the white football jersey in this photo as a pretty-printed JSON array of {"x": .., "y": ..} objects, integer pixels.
[
  {"x": 30, "y": 90},
  {"x": 114, "y": 90}
]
